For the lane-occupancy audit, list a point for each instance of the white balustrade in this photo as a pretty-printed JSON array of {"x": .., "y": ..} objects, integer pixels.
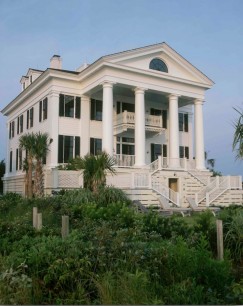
[
  {"x": 122, "y": 160},
  {"x": 129, "y": 118}
]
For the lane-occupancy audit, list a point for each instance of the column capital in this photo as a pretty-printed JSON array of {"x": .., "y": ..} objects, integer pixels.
[
  {"x": 199, "y": 101},
  {"x": 84, "y": 97},
  {"x": 140, "y": 90},
  {"x": 107, "y": 84},
  {"x": 54, "y": 93},
  {"x": 173, "y": 96}
]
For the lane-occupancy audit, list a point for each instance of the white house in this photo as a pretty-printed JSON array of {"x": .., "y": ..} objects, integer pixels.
[{"x": 142, "y": 106}]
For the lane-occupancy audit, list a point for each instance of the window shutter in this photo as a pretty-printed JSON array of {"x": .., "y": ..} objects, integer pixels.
[
  {"x": 61, "y": 105},
  {"x": 17, "y": 159},
  {"x": 92, "y": 109},
  {"x": 164, "y": 119},
  {"x": 181, "y": 117},
  {"x": 28, "y": 118},
  {"x": 77, "y": 146},
  {"x": 164, "y": 150},
  {"x": 77, "y": 109},
  {"x": 60, "y": 149},
  {"x": 186, "y": 122},
  {"x": 40, "y": 111},
  {"x": 152, "y": 152},
  {"x": 92, "y": 146},
  {"x": 45, "y": 108},
  {"x": 187, "y": 152}
]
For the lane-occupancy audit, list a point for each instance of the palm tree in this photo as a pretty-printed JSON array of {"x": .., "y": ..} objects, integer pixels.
[
  {"x": 40, "y": 152},
  {"x": 95, "y": 168},
  {"x": 27, "y": 142},
  {"x": 238, "y": 135}
]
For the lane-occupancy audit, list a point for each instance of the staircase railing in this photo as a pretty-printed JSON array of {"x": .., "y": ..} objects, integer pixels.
[
  {"x": 201, "y": 195},
  {"x": 200, "y": 179},
  {"x": 145, "y": 180},
  {"x": 218, "y": 190}
]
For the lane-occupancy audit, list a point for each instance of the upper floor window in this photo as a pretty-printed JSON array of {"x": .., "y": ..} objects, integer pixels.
[
  {"x": 158, "y": 64},
  {"x": 159, "y": 112},
  {"x": 10, "y": 161},
  {"x": 123, "y": 106},
  {"x": 30, "y": 118},
  {"x": 96, "y": 110},
  {"x": 43, "y": 109},
  {"x": 19, "y": 159},
  {"x": 69, "y": 106},
  {"x": 11, "y": 129},
  {"x": 183, "y": 122},
  {"x": 20, "y": 124}
]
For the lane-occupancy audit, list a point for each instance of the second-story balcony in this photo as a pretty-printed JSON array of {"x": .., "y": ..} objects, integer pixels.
[{"x": 126, "y": 120}]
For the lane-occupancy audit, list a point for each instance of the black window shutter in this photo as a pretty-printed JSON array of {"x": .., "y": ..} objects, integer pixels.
[
  {"x": 77, "y": 146},
  {"x": 77, "y": 110},
  {"x": 181, "y": 151},
  {"x": 164, "y": 150},
  {"x": 17, "y": 159},
  {"x": 18, "y": 126},
  {"x": 181, "y": 117},
  {"x": 92, "y": 109},
  {"x": 164, "y": 118},
  {"x": 28, "y": 117},
  {"x": 61, "y": 105},
  {"x": 187, "y": 152},
  {"x": 92, "y": 146},
  {"x": 186, "y": 122},
  {"x": 40, "y": 111},
  {"x": 60, "y": 149},
  {"x": 152, "y": 152}
]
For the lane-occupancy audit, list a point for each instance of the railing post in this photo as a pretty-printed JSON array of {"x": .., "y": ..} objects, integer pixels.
[
  {"x": 220, "y": 242},
  {"x": 185, "y": 163},
  {"x": 150, "y": 181},
  {"x": 35, "y": 212},
  {"x": 228, "y": 182},
  {"x": 207, "y": 199},
  {"x": 39, "y": 221},
  {"x": 125, "y": 116},
  {"x": 159, "y": 162},
  {"x": 178, "y": 199},
  {"x": 65, "y": 226},
  {"x": 196, "y": 198},
  {"x": 217, "y": 181},
  {"x": 240, "y": 182},
  {"x": 132, "y": 180}
]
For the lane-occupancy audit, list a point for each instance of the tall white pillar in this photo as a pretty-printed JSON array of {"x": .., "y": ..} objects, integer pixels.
[
  {"x": 85, "y": 125},
  {"x": 139, "y": 127},
  {"x": 174, "y": 161},
  {"x": 53, "y": 116},
  {"x": 199, "y": 137},
  {"x": 107, "y": 140}
]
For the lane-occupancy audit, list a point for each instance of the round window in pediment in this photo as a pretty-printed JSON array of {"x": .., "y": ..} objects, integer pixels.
[{"x": 158, "y": 64}]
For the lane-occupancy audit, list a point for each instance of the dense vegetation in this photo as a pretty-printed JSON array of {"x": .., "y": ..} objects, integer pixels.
[{"x": 114, "y": 254}]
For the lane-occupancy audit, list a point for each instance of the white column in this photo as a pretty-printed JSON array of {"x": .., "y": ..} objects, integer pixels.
[
  {"x": 107, "y": 140},
  {"x": 199, "y": 137},
  {"x": 85, "y": 125},
  {"x": 139, "y": 127},
  {"x": 53, "y": 118},
  {"x": 174, "y": 161}
]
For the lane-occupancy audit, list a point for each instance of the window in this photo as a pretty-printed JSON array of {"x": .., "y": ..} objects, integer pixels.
[
  {"x": 69, "y": 106},
  {"x": 68, "y": 148},
  {"x": 123, "y": 106},
  {"x": 95, "y": 146},
  {"x": 158, "y": 149},
  {"x": 18, "y": 159},
  {"x": 30, "y": 118},
  {"x": 43, "y": 108},
  {"x": 96, "y": 110},
  {"x": 11, "y": 161},
  {"x": 159, "y": 112},
  {"x": 20, "y": 124},
  {"x": 125, "y": 146},
  {"x": 183, "y": 122},
  {"x": 158, "y": 64},
  {"x": 184, "y": 152},
  {"x": 11, "y": 129}
]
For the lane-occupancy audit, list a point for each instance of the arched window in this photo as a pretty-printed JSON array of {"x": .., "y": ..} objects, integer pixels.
[{"x": 158, "y": 64}]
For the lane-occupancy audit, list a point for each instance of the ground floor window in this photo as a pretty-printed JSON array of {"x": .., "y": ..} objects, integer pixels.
[
  {"x": 11, "y": 161},
  {"x": 125, "y": 146},
  {"x": 184, "y": 152},
  {"x": 158, "y": 150},
  {"x": 68, "y": 148},
  {"x": 95, "y": 146}
]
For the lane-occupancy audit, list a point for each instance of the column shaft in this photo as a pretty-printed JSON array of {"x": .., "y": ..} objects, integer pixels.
[
  {"x": 199, "y": 137},
  {"x": 174, "y": 161},
  {"x": 107, "y": 140},
  {"x": 53, "y": 116},
  {"x": 85, "y": 125},
  {"x": 139, "y": 127}
]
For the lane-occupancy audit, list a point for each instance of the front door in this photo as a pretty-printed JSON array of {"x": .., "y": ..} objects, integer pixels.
[
  {"x": 173, "y": 184},
  {"x": 156, "y": 150}
]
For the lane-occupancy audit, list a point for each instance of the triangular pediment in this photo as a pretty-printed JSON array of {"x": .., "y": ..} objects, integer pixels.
[{"x": 178, "y": 67}]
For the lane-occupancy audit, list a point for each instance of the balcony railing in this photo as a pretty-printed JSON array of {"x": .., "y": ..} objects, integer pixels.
[
  {"x": 124, "y": 160},
  {"x": 126, "y": 120}
]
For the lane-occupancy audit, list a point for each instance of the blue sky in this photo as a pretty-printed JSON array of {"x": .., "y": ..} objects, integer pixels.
[{"x": 208, "y": 33}]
